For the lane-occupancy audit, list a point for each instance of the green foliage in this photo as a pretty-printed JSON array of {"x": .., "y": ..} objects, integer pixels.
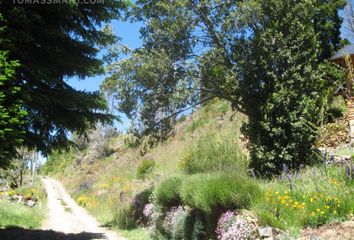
[
  {"x": 211, "y": 193},
  {"x": 145, "y": 168},
  {"x": 53, "y": 44},
  {"x": 167, "y": 193},
  {"x": 213, "y": 153},
  {"x": 265, "y": 57},
  {"x": 58, "y": 161},
  {"x": 138, "y": 204},
  {"x": 284, "y": 92},
  {"x": 12, "y": 114},
  {"x": 123, "y": 217}
]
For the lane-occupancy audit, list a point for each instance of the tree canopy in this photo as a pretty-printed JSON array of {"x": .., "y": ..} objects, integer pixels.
[
  {"x": 53, "y": 43},
  {"x": 265, "y": 57}
]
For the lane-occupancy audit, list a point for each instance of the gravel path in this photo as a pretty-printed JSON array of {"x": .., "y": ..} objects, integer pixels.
[{"x": 65, "y": 216}]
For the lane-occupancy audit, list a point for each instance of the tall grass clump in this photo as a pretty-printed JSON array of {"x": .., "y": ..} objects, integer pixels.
[
  {"x": 212, "y": 153},
  {"x": 209, "y": 195},
  {"x": 145, "y": 168},
  {"x": 167, "y": 193},
  {"x": 123, "y": 217},
  {"x": 219, "y": 191}
]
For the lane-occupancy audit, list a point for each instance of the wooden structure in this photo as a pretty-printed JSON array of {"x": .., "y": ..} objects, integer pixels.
[{"x": 345, "y": 58}]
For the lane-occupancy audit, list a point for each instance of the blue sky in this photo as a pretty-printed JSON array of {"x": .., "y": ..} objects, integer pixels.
[{"x": 129, "y": 32}]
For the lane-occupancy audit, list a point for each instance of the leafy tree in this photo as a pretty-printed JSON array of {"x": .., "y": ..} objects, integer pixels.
[
  {"x": 53, "y": 44},
  {"x": 12, "y": 114},
  {"x": 265, "y": 57}
]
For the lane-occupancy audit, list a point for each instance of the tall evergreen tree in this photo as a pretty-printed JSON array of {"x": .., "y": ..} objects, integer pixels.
[
  {"x": 12, "y": 114},
  {"x": 53, "y": 43}
]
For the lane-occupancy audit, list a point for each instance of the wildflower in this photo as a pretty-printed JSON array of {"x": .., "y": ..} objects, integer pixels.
[
  {"x": 232, "y": 226},
  {"x": 322, "y": 212},
  {"x": 318, "y": 210},
  {"x": 326, "y": 207}
]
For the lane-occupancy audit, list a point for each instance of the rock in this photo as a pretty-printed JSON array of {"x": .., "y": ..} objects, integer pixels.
[
  {"x": 314, "y": 237},
  {"x": 284, "y": 236},
  {"x": 266, "y": 231},
  {"x": 101, "y": 192},
  {"x": 30, "y": 203}
]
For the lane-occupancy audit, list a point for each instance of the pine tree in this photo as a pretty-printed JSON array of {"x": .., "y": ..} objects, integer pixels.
[{"x": 53, "y": 43}]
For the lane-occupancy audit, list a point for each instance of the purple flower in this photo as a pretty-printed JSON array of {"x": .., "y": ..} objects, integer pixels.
[{"x": 233, "y": 227}]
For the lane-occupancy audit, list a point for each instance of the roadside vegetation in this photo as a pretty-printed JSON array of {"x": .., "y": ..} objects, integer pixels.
[
  {"x": 16, "y": 210},
  {"x": 182, "y": 188}
]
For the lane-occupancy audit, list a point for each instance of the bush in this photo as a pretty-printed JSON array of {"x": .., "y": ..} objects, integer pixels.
[
  {"x": 145, "y": 168},
  {"x": 217, "y": 192},
  {"x": 123, "y": 217},
  {"x": 211, "y": 194},
  {"x": 213, "y": 153},
  {"x": 139, "y": 202},
  {"x": 167, "y": 192}
]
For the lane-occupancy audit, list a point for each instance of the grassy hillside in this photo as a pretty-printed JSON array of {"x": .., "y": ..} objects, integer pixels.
[{"x": 180, "y": 188}]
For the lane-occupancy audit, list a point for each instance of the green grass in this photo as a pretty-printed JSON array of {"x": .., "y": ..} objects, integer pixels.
[
  {"x": 13, "y": 214},
  {"x": 317, "y": 197},
  {"x": 135, "y": 234},
  {"x": 213, "y": 153}
]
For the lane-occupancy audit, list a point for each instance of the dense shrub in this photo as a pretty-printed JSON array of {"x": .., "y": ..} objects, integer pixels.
[
  {"x": 167, "y": 192},
  {"x": 219, "y": 191},
  {"x": 213, "y": 153},
  {"x": 139, "y": 202},
  {"x": 145, "y": 168}
]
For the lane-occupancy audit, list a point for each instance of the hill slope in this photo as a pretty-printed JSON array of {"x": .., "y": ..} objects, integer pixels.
[{"x": 180, "y": 188}]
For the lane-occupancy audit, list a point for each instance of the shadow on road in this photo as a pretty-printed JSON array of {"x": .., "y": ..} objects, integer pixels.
[{"x": 14, "y": 233}]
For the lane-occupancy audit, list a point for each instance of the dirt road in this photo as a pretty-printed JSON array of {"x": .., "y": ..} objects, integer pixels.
[{"x": 65, "y": 216}]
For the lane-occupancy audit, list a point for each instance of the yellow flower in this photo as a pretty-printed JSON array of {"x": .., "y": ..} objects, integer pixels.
[
  {"x": 322, "y": 212},
  {"x": 326, "y": 207},
  {"x": 334, "y": 212},
  {"x": 312, "y": 199},
  {"x": 312, "y": 213},
  {"x": 276, "y": 193},
  {"x": 318, "y": 210}
]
